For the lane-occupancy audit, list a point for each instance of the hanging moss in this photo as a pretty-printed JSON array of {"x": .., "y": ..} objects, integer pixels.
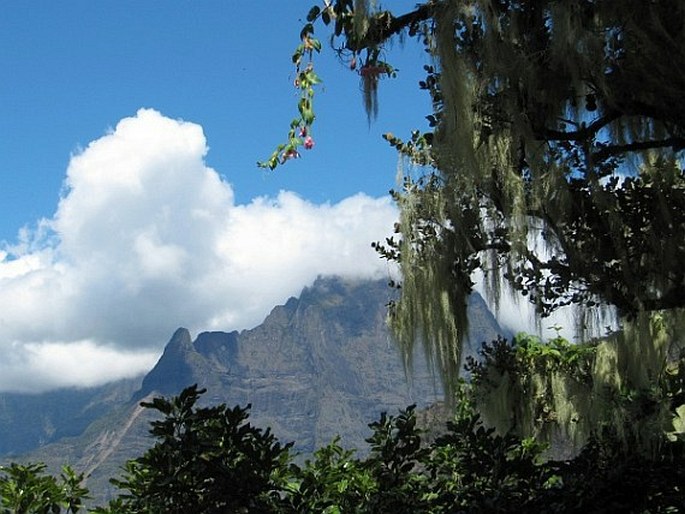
[
  {"x": 554, "y": 167},
  {"x": 623, "y": 385},
  {"x": 547, "y": 130}
]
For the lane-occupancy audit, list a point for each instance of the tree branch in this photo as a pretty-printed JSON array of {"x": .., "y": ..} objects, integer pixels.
[
  {"x": 384, "y": 25},
  {"x": 582, "y": 134},
  {"x": 677, "y": 143}
]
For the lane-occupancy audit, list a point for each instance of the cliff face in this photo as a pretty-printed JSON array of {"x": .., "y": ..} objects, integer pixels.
[{"x": 320, "y": 365}]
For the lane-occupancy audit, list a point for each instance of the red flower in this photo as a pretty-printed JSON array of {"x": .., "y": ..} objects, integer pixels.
[{"x": 308, "y": 143}]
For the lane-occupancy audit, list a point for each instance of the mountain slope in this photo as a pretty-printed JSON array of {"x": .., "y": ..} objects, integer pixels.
[{"x": 28, "y": 421}]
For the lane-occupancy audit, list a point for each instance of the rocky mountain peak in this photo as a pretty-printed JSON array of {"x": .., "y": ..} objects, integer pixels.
[
  {"x": 320, "y": 365},
  {"x": 173, "y": 370}
]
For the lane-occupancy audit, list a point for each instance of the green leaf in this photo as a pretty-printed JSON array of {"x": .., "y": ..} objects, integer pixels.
[
  {"x": 326, "y": 16},
  {"x": 306, "y": 31},
  {"x": 313, "y": 13},
  {"x": 313, "y": 78}
]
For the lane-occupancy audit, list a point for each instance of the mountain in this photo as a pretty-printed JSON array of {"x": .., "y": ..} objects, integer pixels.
[
  {"x": 29, "y": 421},
  {"x": 318, "y": 366}
]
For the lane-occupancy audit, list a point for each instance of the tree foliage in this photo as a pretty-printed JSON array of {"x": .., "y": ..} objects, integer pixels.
[
  {"x": 212, "y": 460},
  {"x": 554, "y": 161},
  {"x": 558, "y": 391},
  {"x": 27, "y": 489},
  {"x": 468, "y": 468},
  {"x": 205, "y": 460}
]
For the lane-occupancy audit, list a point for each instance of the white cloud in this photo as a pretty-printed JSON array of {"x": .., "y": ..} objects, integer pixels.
[
  {"x": 59, "y": 364},
  {"x": 147, "y": 238}
]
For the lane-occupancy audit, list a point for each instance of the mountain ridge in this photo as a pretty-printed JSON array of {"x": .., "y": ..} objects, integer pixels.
[{"x": 319, "y": 365}]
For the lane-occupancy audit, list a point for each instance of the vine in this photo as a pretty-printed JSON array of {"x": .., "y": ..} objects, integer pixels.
[
  {"x": 300, "y": 133},
  {"x": 354, "y": 24}
]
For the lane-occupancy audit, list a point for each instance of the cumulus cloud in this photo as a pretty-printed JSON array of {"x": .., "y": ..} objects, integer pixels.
[{"x": 146, "y": 238}]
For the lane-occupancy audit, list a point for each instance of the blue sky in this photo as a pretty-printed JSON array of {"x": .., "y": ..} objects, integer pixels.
[
  {"x": 131, "y": 201},
  {"x": 71, "y": 70}
]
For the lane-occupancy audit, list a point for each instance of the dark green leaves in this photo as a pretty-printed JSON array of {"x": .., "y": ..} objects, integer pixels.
[
  {"x": 206, "y": 459},
  {"x": 27, "y": 489},
  {"x": 212, "y": 460},
  {"x": 313, "y": 13},
  {"x": 326, "y": 16}
]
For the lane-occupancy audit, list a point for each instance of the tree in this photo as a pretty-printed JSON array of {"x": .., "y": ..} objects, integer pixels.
[
  {"x": 203, "y": 464},
  {"x": 554, "y": 164},
  {"x": 468, "y": 468},
  {"x": 206, "y": 460},
  {"x": 27, "y": 489},
  {"x": 212, "y": 460}
]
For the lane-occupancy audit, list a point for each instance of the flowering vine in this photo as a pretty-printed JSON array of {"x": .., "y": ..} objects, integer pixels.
[
  {"x": 371, "y": 68},
  {"x": 306, "y": 78}
]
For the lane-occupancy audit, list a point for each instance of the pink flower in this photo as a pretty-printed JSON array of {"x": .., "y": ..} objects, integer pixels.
[
  {"x": 290, "y": 154},
  {"x": 308, "y": 143}
]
